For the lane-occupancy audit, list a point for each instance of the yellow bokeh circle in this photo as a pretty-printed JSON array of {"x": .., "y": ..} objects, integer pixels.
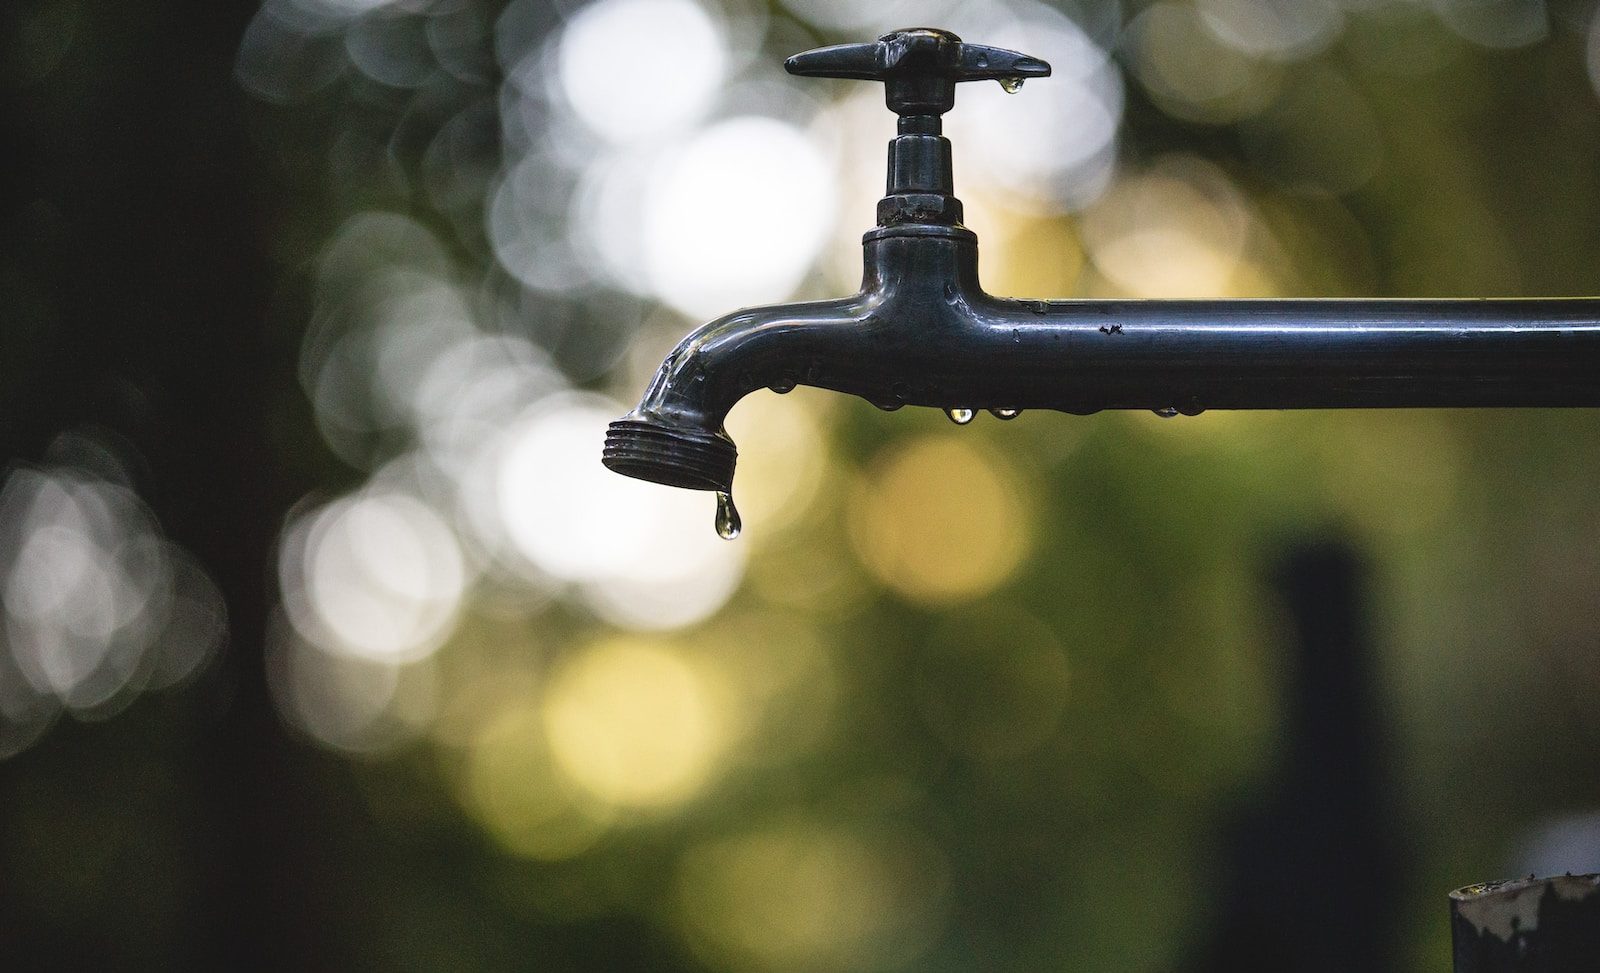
[
  {"x": 632, "y": 723},
  {"x": 941, "y": 519},
  {"x": 514, "y": 791}
]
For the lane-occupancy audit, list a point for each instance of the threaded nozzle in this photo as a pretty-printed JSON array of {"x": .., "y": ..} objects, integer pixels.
[{"x": 671, "y": 455}]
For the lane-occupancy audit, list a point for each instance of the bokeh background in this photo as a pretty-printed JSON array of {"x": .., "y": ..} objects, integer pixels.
[{"x": 328, "y": 643}]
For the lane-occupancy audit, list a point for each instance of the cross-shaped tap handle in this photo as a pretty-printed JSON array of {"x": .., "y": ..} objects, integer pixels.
[{"x": 919, "y": 67}]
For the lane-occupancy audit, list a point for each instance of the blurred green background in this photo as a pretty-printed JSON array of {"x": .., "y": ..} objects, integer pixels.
[{"x": 329, "y": 644}]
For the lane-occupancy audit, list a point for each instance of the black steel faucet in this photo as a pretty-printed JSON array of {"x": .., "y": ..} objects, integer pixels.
[{"x": 922, "y": 332}]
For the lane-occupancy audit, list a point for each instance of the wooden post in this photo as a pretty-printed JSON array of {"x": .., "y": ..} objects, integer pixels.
[{"x": 1545, "y": 925}]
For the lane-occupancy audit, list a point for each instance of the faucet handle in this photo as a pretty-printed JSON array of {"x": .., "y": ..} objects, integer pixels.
[{"x": 919, "y": 67}]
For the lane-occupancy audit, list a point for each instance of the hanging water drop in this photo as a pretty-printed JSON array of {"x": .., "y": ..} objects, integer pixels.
[
  {"x": 960, "y": 416},
  {"x": 728, "y": 523},
  {"x": 1012, "y": 85},
  {"x": 783, "y": 386},
  {"x": 1166, "y": 413},
  {"x": 1005, "y": 413}
]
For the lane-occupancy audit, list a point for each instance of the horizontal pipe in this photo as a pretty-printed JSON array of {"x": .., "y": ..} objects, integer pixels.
[
  {"x": 923, "y": 332},
  {"x": 1270, "y": 354}
]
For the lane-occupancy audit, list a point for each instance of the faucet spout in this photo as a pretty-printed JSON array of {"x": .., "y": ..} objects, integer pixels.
[{"x": 676, "y": 437}]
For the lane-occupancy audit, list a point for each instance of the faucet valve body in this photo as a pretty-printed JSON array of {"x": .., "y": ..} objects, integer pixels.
[{"x": 921, "y": 188}]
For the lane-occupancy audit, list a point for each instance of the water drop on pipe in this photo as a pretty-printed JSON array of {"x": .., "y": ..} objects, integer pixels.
[
  {"x": 1011, "y": 85},
  {"x": 728, "y": 523},
  {"x": 1005, "y": 413},
  {"x": 1166, "y": 413},
  {"x": 959, "y": 416},
  {"x": 783, "y": 386}
]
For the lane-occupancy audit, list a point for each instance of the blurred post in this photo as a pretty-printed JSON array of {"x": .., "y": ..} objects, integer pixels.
[
  {"x": 1308, "y": 876},
  {"x": 1544, "y": 925}
]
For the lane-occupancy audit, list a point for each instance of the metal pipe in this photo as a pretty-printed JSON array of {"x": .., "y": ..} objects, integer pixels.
[
  {"x": 922, "y": 332},
  {"x": 1548, "y": 925}
]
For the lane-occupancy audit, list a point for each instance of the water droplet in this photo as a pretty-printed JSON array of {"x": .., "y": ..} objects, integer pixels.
[
  {"x": 959, "y": 416},
  {"x": 1166, "y": 413},
  {"x": 1012, "y": 85},
  {"x": 783, "y": 386},
  {"x": 1005, "y": 413},
  {"x": 951, "y": 295},
  {"x": 983, "y": 60},
  {"x": 728, "y": 523},
  {"x": 888, "y": 405}
]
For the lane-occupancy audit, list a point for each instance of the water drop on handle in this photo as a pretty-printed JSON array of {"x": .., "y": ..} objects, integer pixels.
[
  {"x": 1005, "y": 413},
  {"x": 728, "y": 523},
  {"x": 1011, "y": 85},
  {"x": 959, "y": 416},
  {"x": 1166, "y": 413}
]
